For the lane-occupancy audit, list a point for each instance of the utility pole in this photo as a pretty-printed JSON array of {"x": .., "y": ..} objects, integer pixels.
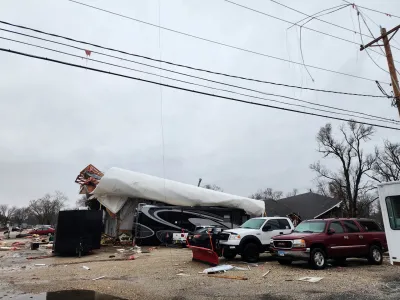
[{"x": 389, "y": 57}]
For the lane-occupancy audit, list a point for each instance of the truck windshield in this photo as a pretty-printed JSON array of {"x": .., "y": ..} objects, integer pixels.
[
  {"x": 253, "y": 224},
  {"x": 311, "y": 227}
]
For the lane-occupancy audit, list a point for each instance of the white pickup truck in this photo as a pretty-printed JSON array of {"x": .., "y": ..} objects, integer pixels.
[{"x": 253, "y": 237}]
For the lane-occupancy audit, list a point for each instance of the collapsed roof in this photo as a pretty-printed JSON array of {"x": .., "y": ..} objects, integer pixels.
[
  {"x": 117, "y": 185},
  {"x": 309, "y": 205}
]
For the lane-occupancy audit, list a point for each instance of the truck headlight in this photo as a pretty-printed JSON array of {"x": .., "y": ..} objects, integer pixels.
[
  {"x": 299, "y": 244},
  {"x": 234, "y": 236}
]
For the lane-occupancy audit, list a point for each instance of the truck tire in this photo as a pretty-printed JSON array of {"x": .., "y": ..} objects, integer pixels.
[
  {"x": 375, "y": 256},
  {"x": 317, "y": 259},
  {"x": 250, "y": 253},
  {"x": 229, "y": 254},
  {"x": 285, "y": 262}
]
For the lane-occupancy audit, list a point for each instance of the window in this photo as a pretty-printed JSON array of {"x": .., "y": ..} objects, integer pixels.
[
  {"x": 351, "y": 226},
  {"x": 393, "y": 209},
  {"x": 335, "y": 225},
  {"x": 283, "y": 224},
  {"x": 274, "y": 224},
  {"x": 311, "y": 227},
  {"x": 370, "y": 226}
]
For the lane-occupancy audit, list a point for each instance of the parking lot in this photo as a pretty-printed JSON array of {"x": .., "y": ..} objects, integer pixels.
[{"x": 153, "y": 275}]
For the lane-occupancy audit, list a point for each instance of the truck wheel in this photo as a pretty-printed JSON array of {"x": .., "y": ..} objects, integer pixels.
[
  {"x": 375, "y": 256},
  {"x": 285, "y": 262},
  {"x": 250, "y": 253},
  {"x": 229, "y": 254},
  {"x": 318, "y": 259}
]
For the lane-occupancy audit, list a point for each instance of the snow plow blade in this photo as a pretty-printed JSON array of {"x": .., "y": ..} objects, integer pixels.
[{"x": 204, "y": 255}]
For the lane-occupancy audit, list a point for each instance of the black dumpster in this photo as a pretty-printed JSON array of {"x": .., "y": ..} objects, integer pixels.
[{"x": 78, "y": 232}]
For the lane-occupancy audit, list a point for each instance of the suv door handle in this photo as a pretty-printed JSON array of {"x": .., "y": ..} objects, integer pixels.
[
  {"x": 346, "y": 237},
  {"x": 281, "y": 232},
  {"x": 361, "y": 236}
]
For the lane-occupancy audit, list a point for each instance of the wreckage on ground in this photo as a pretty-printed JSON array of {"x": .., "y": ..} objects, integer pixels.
[{"x": 152, "y": 208}]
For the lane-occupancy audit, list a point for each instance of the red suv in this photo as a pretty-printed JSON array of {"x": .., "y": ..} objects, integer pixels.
[{"x": 316, "y": 241}]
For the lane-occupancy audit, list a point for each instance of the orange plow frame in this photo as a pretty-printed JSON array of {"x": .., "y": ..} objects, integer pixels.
[{"x": 205, "y": 255}]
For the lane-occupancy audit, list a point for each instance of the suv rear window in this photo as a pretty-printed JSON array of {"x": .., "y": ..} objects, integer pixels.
[
  {"x": 370, "y": 226},
  {"x": 351, "y": 226}
]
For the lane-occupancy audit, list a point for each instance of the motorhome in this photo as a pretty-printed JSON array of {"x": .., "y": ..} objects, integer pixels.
[{"x": 389, "y": 197}]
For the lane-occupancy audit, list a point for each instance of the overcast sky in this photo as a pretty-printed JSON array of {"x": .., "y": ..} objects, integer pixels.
[{"x": 55, "y": 120}]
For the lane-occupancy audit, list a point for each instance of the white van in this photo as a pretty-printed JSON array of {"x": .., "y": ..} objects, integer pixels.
[{"x": 389, "y": 197}]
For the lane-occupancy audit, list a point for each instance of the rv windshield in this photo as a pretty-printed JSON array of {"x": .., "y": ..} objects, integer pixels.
[
  {"x": 311, "y": 227},
  {"x": 253, "y": 224}
]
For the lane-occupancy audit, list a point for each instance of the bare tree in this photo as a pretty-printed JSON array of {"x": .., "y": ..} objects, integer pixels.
[
  {"x": 6, "y": 213},
  {"x": 267, "y": 193},
  {"x": 213, "y": 187},
  {"x": 21, "y": 215},
  {"x": 387, "y": 166},
  {"x": 347, "y": 183},
  {"x": 294, "y": 192},
  {"x": 46, "y": 209}
]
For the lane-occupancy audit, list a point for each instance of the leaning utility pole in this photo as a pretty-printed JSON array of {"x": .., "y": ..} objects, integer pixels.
[{"x": 389, "y": 57}]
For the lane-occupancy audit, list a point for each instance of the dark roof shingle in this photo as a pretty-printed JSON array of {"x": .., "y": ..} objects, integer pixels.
[{"x": 308, "y": 205}]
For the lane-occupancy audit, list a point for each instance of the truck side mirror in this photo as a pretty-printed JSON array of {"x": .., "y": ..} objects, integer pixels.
[
  {"x": 266, "y": 228},
  {"x": 331, "y": 231}
]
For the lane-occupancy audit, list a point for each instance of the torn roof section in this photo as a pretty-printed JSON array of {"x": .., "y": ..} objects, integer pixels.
[
  {"x": 117, "y": 185},
  {"x": 309, "y": 205}
]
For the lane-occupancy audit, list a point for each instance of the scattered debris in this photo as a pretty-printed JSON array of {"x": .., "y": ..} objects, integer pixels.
[
  {"x": 266, "y": 273},
  {"x": 218, "y": 269},
  {"x": 253, "y": 265},
  {"x": 182, "y": 274},
  {"x": 248, "y": 267},
  {"x": 240, "y": 269},
  {"x": 311, "y": 279},
  {"x": 40, "y": 265},
  {"x": 86, "y": 268},
  {"x": 111, "y": 256},
  {"x": 137, "y": 249},
  {"x": 98, "y": 278},
  {"x": 132, "y": 257},
  {"x": 228, "y": 277},
  {"x": 7, "y": 248}
]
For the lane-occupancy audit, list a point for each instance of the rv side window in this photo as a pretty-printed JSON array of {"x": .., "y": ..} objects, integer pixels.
[{"x": 393, "y": 208}]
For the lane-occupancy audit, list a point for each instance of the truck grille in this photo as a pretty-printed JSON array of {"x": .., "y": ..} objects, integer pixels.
[
  {"x": 223, "y": 236},
  {"x": 283, "y": 244}
]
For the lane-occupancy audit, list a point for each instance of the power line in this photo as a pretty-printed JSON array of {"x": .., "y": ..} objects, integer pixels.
[
  {"x": 289, "y": 22},
  {"x": 374, "y": 10},
  {"x": 222, "y": 44},
  {"x": 166, "y": 62},
  {"x": 321, "y": 20},
  {"x": 374, "y": 118},
  {"x": 320, "y": 14},
  {"x": 201, "y": 78},
  {"x": 189, "y": 90}
]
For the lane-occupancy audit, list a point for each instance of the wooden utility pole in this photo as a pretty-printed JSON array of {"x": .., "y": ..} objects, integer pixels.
[{"x": 389, "y": 57}]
